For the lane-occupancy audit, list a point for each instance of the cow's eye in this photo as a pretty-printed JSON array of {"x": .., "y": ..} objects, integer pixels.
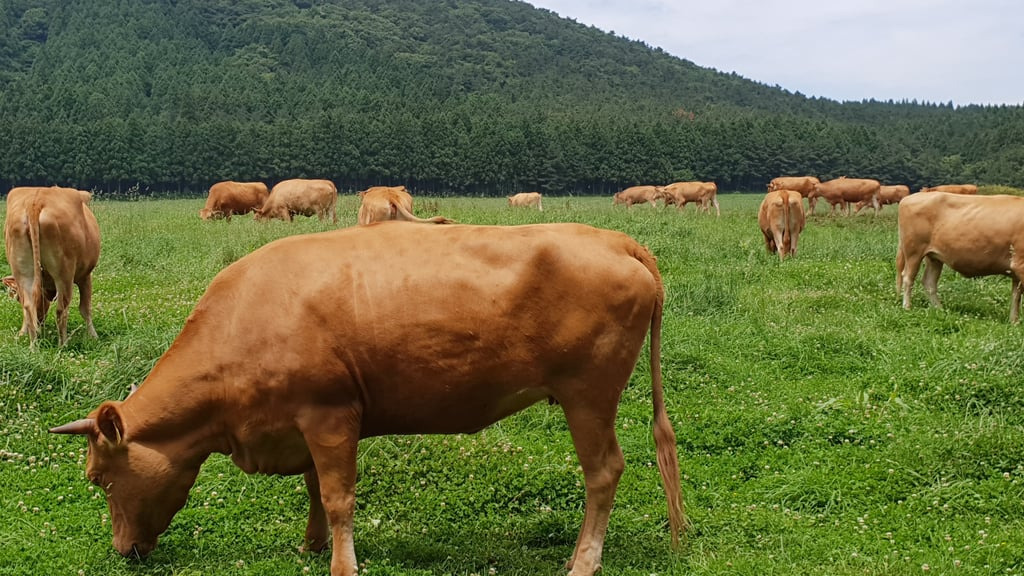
[{"x": 96, "y": 479}]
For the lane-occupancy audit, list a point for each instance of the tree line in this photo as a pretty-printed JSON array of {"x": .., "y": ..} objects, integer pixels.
[{"x": 457, "y": 97}]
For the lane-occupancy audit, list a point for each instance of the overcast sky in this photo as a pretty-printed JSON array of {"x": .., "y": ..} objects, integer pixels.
[{"x": 964, "y": 51}]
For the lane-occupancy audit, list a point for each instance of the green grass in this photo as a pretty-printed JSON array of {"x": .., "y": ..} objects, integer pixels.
[{"x": 822, "y": 429}]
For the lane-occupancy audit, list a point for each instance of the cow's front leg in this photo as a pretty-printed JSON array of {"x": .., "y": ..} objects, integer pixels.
[
  {"x": 316, "y": 526},
  {"x": 332, "y": 434}
]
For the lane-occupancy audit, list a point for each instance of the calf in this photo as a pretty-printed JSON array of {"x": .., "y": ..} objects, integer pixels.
[
  {"x": 381, "y": 203},
  {"x": 298, "y": 196},
  {"x": 228, "y": 198},
  {"x": 52, "y": 241},
  {"x": 526, "y": 199},
  {"x": 393, "y": 328}
]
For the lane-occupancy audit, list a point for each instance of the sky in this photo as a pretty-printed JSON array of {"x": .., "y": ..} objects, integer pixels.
[{"x": 960, "y": 51}]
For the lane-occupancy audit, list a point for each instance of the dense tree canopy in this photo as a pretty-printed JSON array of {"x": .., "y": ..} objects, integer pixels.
[{"x": 458, "y": 96}]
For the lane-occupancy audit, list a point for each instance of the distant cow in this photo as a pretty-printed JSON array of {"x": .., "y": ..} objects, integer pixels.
[
  {"x": 636, "y": 195},
  {"x": 526, "y": 199},
  {"x": 802, "y": 184},
  {"x": 388, "y": 329},
  {"x": 679, "y": 193},
  {"x": 228, "y": 198},
  {"x": 381, "y": 203},
  {"x": 844, "y": 191},
  {"x": 887, "y": 195},
  {"x": 953, "y": 188},
  {"x": 974, "y": 235},
  {"x": 303, "y": 197},
  {"x": 781, "y": 218},
  {"x": 52, "y": 241}
]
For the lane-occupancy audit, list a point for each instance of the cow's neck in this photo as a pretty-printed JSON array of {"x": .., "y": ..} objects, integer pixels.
[{"x": 177, "y": 405}]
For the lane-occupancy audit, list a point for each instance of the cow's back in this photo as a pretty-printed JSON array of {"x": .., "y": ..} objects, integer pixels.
[{"x": 520, "y": 309}]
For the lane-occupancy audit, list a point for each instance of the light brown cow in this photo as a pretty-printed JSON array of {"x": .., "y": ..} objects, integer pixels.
[
  {"x": 381, "y": 203},
  {"x": 781, "y": 218},
  {"x": 52, "y": 242},
  {"x": 802, "y": 184},
  {"x": 886, "y": 195},
  {"x": 636, "y": 195},
  {"x": 526, "y": 199},
  {"x": 679, "y": 193},
  {"x": 362, "y": 345},
  {"x": 228, "y": 198},
  {"x": 298, "y": 196},
  {"x": 952, "y": 188},
  {"x": 843, "y": 191},
  {"x": 974, "y": 235}
]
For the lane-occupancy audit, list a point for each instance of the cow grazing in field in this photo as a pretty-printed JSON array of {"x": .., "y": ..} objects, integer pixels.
[
  {"x": 844, "y": 191},
  {"x": 952, "y": 188},
  {"x": 636, "y": 195},
  {"x": 388, "y": 329},
  {"x": 382, "y": 203},
  {"x": 52, "y": 240},
  {"x": 781, "y": 218},
  {"x": 886, "y": 195},
  {"x": 526, "y": 199},
  {"x": 229, "y": 198},
  {"x": 679, "y": 193},
  {"x": 298, "y": 196},
  {"x": 802, "y": 184},
  {"x": 974, "y": 235}
]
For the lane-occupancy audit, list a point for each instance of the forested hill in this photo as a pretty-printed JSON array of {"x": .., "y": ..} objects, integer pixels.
[{"x": 453, "y": 96}]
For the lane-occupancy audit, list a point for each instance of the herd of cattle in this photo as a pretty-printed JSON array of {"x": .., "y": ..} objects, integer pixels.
[{"x": 382, "y": 355}]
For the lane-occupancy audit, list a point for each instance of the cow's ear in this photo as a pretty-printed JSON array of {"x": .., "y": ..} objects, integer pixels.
[{"x": 108, "y": 419}]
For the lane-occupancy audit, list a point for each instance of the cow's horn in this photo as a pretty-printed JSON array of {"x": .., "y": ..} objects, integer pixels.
[{"x": 83, "y": 426}]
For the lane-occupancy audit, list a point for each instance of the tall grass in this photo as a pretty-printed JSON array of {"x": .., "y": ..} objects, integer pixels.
[{"x": 822, "y": 429}]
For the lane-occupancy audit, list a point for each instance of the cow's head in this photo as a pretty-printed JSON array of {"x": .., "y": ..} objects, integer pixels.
[
  {"x": 210, "y": 214},
  {"x": 145, "y": 488}
]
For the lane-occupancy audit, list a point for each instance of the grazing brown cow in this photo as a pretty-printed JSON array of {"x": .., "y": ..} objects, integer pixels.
[
  {"x": 802, "y": 184},
  {"x": 886, "y": 195},
  {"x": 636, "y": 195},
  {"x": 952, "y": 188},
  {"x": 974, "y": 235},
  {"x": 305, "y": 197},
  {"x": 526, "y": 199},
  {"x": 843, "y": 191},
  {"x": 679, "y": 193},
  {"x": 781, "y": 218},
  {"x": 52, "y": 241},
  {"x": 393, "y": 328},
  {"x": 228, "y": 198},
  {"x": 381, "y": 203}
]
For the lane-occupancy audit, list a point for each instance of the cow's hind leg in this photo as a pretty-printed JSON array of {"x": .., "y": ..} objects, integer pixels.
[
  {"x": 932, "y": 270},
  {"x": 1015, "y": 300},
  {"x": 85, "y": 303},
  {"x": 316, "y": 526},
  {"x": 593, "y": 433},
  {"x": 63, "y": 309}
]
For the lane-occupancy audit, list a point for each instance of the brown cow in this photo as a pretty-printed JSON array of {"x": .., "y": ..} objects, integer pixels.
[
  {"x": 887, "y": 195},
  {"x": 636, "y": 195},
  {"x": 228, "y": 198},
  {"x": 679, "y": 193},
  {"x": 52, "y": 241},
  {"x": 842, "y": 191},
  {"x": 381, "y": 203},
  {"x": 974, "y": 235},
  {"x": 952, "y": 188},
  {"x": 305, "y": 197},
  {"x": 781, "y": 218},
  {"x": 364, "y": 346},
  {"x": 802, "y": 184},
  {"x": 526, "y": 199}
]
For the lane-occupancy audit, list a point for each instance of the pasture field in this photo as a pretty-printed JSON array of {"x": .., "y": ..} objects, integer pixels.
[{"x": 822, "y": 429}]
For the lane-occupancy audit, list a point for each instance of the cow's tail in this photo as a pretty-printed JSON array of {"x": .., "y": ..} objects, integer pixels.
[
  {"x": 36, "y": 297},
  {"x": 664, "y": 436},
  {"x": 787, "y": 240},
  {"x": 404, "y": 214}
]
